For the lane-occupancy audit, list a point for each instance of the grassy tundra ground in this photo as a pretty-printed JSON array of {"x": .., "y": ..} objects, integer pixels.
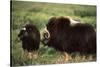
[{"x": 39, "y": 13}]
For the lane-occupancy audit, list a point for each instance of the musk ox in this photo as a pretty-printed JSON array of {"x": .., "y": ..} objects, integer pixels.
[
  {"x": 67, "y": 35},
  {"x": 30, "y": 37}
]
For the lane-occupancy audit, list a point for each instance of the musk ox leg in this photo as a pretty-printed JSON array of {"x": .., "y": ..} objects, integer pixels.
[
  {"x": 35, "y": 54},
  {"x": 26, "y": 54},
  {"x": 30, "y": 55},
  {"x": 63, "y": 58},
  {"x": 66, "y": 57}
]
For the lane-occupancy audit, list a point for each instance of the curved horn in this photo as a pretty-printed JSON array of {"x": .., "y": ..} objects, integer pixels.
[
  {"x": 24, "y": 28},
  {"x": 47, "y": 32}
]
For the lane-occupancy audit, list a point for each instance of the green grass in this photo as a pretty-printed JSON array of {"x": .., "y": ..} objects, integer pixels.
[{"x": 40, "y": 13}]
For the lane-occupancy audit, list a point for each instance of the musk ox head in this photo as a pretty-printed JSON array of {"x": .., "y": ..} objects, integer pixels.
[{"x": 27, "y": 30}]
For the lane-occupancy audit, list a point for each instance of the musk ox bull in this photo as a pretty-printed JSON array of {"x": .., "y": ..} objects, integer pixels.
[
  {"x": 69, "y": 36},
  {"x": 30, "y": 37}
]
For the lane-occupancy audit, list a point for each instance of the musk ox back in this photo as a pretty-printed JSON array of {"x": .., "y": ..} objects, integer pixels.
[
  {"x": 69, "y": 37},
  {"x": 30, "y": 37}
]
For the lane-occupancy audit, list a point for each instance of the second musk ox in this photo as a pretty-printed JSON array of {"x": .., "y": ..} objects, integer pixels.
[
  {"x": 67, "y": 35},
  {"x": 30, "y": 37}
]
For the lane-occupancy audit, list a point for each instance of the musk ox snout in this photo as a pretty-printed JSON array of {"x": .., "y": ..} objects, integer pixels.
[{"x": 22, "y": 33}]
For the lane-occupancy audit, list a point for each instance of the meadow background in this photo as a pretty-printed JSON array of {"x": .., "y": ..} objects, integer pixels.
[{"x": 40, "y": 13}]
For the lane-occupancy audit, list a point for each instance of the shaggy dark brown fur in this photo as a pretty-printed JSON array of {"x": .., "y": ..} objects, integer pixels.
[
  {"x": 65, "y": 37},
  {"x": 30, "y": 38}
]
